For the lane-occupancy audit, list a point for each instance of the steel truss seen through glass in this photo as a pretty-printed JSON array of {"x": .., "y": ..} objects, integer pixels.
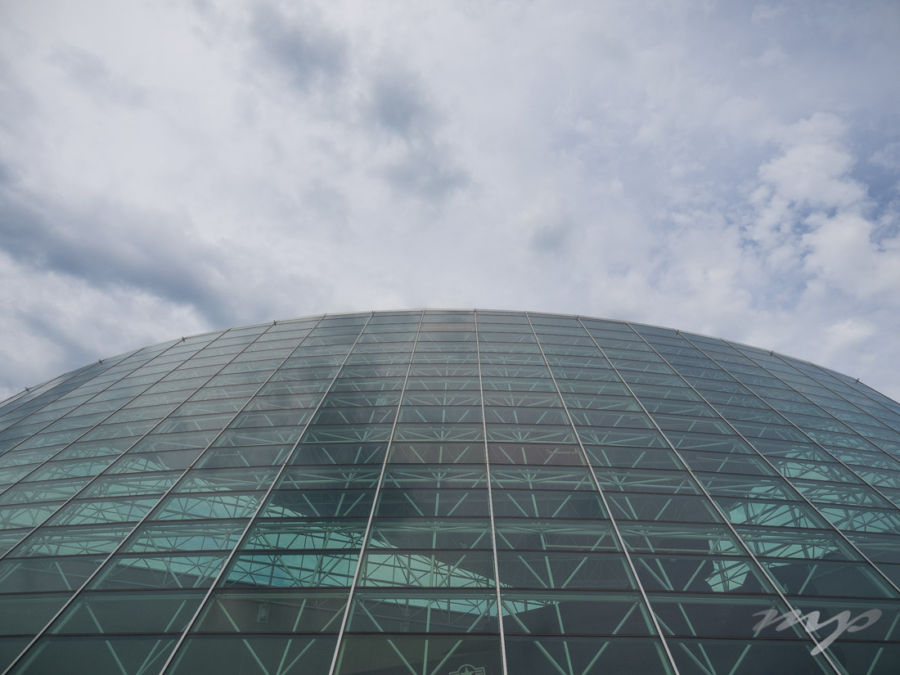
[{"x": 450, "y": 493}]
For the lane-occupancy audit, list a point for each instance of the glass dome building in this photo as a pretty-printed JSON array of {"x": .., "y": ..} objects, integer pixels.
[{"x": 450, "y": 493}]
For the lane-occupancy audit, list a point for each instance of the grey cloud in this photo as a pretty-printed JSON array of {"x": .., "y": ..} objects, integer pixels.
[
  {"x": 399, "y": 105},
  {"x": 426, "y": 173},
  {"x": 6, "y": 175},
  {"x": 89, "y": 245},
  {"x": 888, "y": 156},
  {"x": 16, "y": 100},
  {"x": 308, "y": 54},
  {"x": 95, "y": 77},
  {"x": 552, "y": 238},
  {"x": 43, "y": 326}
]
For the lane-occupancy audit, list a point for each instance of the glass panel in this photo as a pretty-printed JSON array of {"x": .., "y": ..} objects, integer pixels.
[
  {"x": 428, "y": 569},
  {"x": 578, "y": 655},
  {"x": 424, "y": 533},
  {"x": 710, "y": 656},
  {"x": 273, "y": 612},
  {"x": 650, "y": 507},
  {"x": 826, "y": 577},
  {"x": 403, "y": 611},
  {"x": 186, "y": 536},
  {"x": 299, "y": 569},
  {"x": 574, "y": 614},
  {"x": 563, "y": 570},
  {"x": 85, "y": 540},
  {"x": 402, "y": 653},
  {"x": 548, "y": 504},
  {"x": 705, "y": 574},
  {"x": 27, "y": 614},
  {"x": 106, "y": 656},
  {"x": 562, "y": 535},
  {"x": 114, "y": 613},
  {"x": 159, "y": 571},
  {"x": 46, "y": 574}
]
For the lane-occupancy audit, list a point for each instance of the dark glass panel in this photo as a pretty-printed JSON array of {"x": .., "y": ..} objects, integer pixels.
[
  {"x": 682, "y": 538},
  {"x": 578, "y": 655},
  {"x": 180, "y": 441},
  {"x": 132, "y": 572},
  {"x": 118, "y": 613},
  {"x": 742, "y": 657},
  {"x": 769, "y": 513},
  {"x": 734, "y": 485},
  {"x": 210, "y": 480},
  {"x": 434, "y": 476},
  {"x": 70, "y": 469},
  {"x": 653, "y": 507},
  {"x": 427, "y": 569},
  {"x": 700, "y": 574},
  {"x": 404, "y": 611},
  {"x": 311, "y": 534},
  {"x": 98, "y": 656},
  {"x": 273, "y": 612},
  {"x": 795, "y": 543},
  {"x": 559, "y": 613},
  {"x": 25, "y": 493},
  {"x": 260, "y": 455},
  {"x": 438, "y": 453},
  {"x": 827, "y": 577},
  {"x": 437, "y": 414},
  {"x": 414, "y": 503},
  {"x": 178, "y": 536},
  {"x": 10, "y": 538},
  {"x": 720, "y": 616},
  {"x": 555, "y": 535},
  {"x": 550, "y": 454},
  {"x": 524, "y": 416},
  {"x": 541, "y": 477},
  {"x": 28, "y": 614},
  {"x": 845, "y": 518},
  {"x": 154, "y": 461},
  {"x": 150, "y": 483},
  {"x": 46, "y": 574},
  {"x": 84, "y": 540},
  {"x": 339, "y": 453},
  {"x": 404, "y": 653},
  {"x": 636, "y": 458},
  {"x": 724, "y": 463},
  {"x": 425, "y": 533},
  {"x": 95, "y": 511},
  {"x": 438, "y": 432},
  {"x": 637, "y": 438},
  {"x": 563, "y": 570},
  {"x": 318, "y": 504},
  {"x": 878, "y": 547},
  {"x": 548, "y": 504},
  {"x": 676, "y": 482}
]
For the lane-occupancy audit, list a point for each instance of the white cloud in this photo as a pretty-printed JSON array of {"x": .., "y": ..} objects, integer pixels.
[{"x": 691, "y": 165}]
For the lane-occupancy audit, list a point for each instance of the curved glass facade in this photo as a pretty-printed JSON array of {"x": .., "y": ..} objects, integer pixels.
[{"x": 450, "y": 493}]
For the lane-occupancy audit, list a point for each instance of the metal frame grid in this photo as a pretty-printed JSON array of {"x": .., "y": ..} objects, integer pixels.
[{"x": 443, "y": 491}]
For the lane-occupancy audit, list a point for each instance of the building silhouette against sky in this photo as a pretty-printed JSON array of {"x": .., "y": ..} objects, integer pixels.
[{"x": 450, "y": 493}]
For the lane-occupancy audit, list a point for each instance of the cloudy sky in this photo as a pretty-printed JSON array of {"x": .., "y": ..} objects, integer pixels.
[{"x": 168, "y": 168}]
